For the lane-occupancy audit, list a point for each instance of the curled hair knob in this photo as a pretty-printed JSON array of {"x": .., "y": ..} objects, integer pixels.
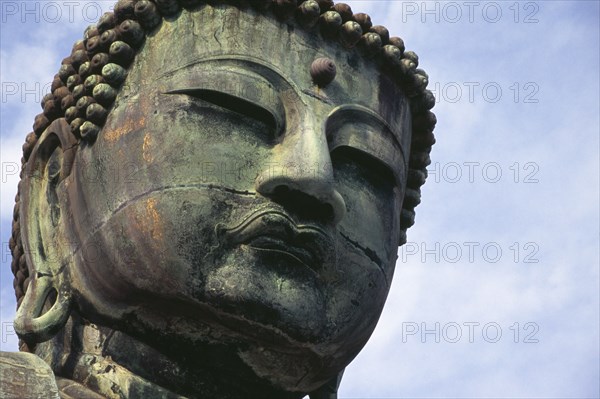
[{"x": 308, "y": 13}]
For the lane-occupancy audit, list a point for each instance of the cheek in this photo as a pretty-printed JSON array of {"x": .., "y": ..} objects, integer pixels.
[
  {"x": 373, "y": 204},
  {"x": 368, "y": 240},
  {"x": 157, "y": 245}
]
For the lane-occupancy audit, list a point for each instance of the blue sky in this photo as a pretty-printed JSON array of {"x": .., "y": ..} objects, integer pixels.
[{"x": 496, "y": 293}]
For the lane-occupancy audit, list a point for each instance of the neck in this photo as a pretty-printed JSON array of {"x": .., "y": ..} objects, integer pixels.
[{"x": 116, "y": 365}]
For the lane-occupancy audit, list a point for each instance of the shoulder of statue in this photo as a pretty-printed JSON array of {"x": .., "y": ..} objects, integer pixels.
[{"x": 24, "y": 375}]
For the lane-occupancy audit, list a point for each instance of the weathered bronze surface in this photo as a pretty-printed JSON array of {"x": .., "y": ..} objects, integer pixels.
[{"x": 212, "y": 200}]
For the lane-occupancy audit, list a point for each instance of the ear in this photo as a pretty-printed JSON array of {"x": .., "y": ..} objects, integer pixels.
[{"x": 44, "y": 223}]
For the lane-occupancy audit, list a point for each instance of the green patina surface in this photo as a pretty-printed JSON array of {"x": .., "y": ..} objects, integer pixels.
[{"x": 232, "y": 229}]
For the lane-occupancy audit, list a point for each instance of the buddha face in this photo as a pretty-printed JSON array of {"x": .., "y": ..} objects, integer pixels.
[{"x": 229, "y": 200}]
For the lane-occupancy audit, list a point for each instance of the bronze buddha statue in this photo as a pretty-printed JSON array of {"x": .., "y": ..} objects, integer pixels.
[{"x": 211, "y": 202}]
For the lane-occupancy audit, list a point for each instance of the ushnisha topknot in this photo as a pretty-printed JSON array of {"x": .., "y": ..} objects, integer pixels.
[{"x": 88, "y": 81}]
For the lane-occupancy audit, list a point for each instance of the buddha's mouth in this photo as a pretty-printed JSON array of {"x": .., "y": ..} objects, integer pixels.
[{"x": 273, "y": 230}]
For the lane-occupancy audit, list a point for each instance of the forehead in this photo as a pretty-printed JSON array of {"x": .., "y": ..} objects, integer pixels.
[{"x": 205, "y": 42}]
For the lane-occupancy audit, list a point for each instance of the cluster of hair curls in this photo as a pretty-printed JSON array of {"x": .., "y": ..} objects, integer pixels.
[{"x": 88, "y": 81}]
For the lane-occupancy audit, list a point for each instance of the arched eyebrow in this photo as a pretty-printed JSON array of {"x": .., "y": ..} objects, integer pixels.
[{"x": 361, "y": 128}]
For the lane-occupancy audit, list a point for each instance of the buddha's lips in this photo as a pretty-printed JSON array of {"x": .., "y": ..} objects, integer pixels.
[{"x": 274, "y": 230}]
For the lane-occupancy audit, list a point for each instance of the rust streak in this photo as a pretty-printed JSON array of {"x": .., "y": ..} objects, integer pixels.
[
  {"x": 127, "y": 126},
  {"x": 147, "y": 148},
  {"x": 154, "y": 219}
]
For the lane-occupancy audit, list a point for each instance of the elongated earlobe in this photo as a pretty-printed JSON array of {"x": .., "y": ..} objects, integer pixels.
[
  {"x": 31, "y": 323},
  {"x": 46, "y": 305}
]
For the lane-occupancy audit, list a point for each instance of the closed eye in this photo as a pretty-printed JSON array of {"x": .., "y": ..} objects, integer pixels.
[
  {"x": 377, "y": 172},
  {"x": 234, "y": 104}
]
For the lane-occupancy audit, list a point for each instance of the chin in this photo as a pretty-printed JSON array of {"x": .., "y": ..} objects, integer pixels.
[{"x": 269, "y": 293}]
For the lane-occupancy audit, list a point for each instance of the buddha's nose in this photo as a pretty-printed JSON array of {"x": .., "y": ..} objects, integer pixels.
[{"x": 300, "y": 176}]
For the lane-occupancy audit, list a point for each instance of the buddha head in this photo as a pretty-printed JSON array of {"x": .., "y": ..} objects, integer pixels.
[{"x": 225, "y": 183}]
